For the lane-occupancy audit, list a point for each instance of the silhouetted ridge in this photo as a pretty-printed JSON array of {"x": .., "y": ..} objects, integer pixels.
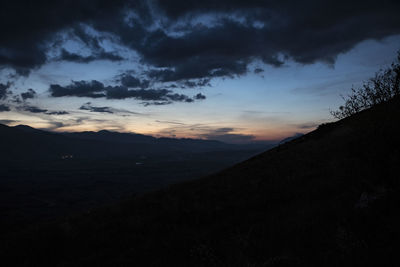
[
  {"x": 26, "y": 128},
  {"x": 24, "y": 143},
  {"x": 105, "y": 135}
]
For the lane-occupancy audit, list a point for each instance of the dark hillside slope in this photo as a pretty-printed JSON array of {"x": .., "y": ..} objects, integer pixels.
[{"x": 328, "y": 198}]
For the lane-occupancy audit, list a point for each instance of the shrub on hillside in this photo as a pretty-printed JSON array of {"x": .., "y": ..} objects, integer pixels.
[{"x": 381, "y": 88}]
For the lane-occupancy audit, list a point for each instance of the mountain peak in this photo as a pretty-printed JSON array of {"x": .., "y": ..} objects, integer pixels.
[{"x": 26, "y": 128}]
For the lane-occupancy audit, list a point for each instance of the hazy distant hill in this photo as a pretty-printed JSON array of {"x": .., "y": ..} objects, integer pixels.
[
  {"x": 328, "y": 198},
  {"x": 26, "y": 143},
  {"x": 105, "y": 135},
  {"x": 166, "y": 145}
]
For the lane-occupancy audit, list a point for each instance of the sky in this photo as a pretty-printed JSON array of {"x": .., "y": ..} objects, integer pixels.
[{"x": 235, "y": 71}]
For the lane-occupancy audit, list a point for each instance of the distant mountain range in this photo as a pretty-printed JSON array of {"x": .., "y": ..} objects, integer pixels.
[
  {"x": 26, "y": 143},
  {"x": 78, "y": 171}
]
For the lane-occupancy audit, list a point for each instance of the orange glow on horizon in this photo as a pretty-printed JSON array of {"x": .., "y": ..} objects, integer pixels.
[{"x": 274, "y": 132}]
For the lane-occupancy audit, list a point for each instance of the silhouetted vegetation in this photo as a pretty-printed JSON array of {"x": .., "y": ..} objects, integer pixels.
[{"x": 379, "y": 89}]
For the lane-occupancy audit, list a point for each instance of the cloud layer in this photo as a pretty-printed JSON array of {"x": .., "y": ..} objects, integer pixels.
[
  {"x": 185, "y": 40},
  {"x": 96, "y": 89},
  {"x": 28, "y": 94},
  {"x": 4, "y": 91},
  {"x": 4, "y": 108},
  {"x": 89, "y": 107}
]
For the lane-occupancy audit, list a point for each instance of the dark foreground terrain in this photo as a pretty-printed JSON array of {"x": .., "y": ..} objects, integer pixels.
[
  {"x": 44, "y": 175},
  {"x": 329, "y": 198}
]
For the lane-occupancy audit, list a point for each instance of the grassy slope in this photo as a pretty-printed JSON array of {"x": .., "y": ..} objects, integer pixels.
[{"x": 328, "y": 198}]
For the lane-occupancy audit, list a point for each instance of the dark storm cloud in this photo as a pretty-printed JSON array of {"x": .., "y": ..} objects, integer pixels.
[
  {"x": 156, "y": 103},
  {"x": 27, "y": 27},
  {"x": 88, "y": 106},
  {"x": 4, "y": 90},
  {"x": 179, "y": 97},
  {"x": 305, "y": 31},
  {"x": 164, "y": 95},
  {"x": 121, "y": 92},
  {"x": 258, "y": 70},
  {"x": 96, "y": 89},
  {"x": 196, "y": 39},
  {"x": 16, "y": 99},
  {"x": 197, "y": 67},
  {"x": 200, "y": 96},
  {"x": 28, "y": 94},
  {"x": 57, "y": 113},
  {"x": 4, "y": 107},
  {"x": 32, "y": 109},
  {"x": 102, "y": 55},
  {"x": 7, "y": 122},
  {"x": 129, "y": 80},
  {"x": 93, "y": 89},
  {"x": 195, "y": 84}
]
